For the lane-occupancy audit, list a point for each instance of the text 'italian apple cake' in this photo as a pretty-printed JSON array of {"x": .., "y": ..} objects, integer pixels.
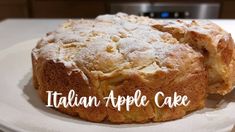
[{"x": 125, "y": 53}]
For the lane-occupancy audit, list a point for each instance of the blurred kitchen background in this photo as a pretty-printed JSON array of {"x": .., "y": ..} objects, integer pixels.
[{"x": 223, "y": 9}]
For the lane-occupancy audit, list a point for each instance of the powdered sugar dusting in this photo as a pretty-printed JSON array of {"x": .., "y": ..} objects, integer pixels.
[{"x": 108, "y": 43}]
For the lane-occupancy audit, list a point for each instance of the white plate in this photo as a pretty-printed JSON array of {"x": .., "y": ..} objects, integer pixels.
[{"x": 22, "y": 110}]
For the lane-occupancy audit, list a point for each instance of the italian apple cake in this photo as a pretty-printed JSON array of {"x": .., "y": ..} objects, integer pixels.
[{"x": 124, "y": 53}]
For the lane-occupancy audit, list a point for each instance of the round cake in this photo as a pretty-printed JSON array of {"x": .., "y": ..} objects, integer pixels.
[{"x": 122, "y": 53}]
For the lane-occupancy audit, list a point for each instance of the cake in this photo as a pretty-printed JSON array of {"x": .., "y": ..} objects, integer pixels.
[{"x": 124, "y": 53}]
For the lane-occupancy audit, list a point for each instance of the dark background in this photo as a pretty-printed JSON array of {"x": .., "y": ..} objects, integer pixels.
[{"x": 83, "y": 8}]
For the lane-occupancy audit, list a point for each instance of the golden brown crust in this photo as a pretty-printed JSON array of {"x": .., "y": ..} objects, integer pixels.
[{"x": 53, "y": 77}]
